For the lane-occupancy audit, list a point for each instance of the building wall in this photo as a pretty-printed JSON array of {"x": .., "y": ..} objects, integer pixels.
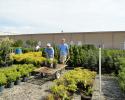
[{"x": 107, "y": 39}]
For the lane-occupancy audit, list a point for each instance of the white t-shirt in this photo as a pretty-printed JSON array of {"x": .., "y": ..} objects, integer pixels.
[{"x": 37, "y": 47}]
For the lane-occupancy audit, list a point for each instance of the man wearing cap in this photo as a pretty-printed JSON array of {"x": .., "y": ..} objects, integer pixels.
[
  {"x": 64, "y": 51},
  {"x": 49, "y": 51}
]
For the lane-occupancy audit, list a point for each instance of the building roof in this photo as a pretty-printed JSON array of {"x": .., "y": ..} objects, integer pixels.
[{"x": 9, "y": 33}]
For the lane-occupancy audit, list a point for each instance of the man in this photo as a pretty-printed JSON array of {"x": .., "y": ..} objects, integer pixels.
[
  {"x": 49, "y": 51},
  {"x": 64, "y": 51}
]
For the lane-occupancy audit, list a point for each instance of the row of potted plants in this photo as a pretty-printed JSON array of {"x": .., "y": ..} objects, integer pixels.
[
  {"x": 88, "y": 58},
  {"x": 29, "y": 58},
  {"x": 14, "y": 75},
  {"x": 77, "y": 80},
  {"x": 34, "y": 58}
]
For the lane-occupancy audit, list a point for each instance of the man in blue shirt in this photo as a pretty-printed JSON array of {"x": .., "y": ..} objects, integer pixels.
[
  {"x": 64, "y": 51},
  {"x": 49, "y": 51}
]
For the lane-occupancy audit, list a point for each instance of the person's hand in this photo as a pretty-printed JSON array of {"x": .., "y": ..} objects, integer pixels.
[{"x": 68, "y": 56}]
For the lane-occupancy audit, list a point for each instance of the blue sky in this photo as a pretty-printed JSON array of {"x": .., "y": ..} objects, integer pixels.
[{"x": 39, "y": 16}]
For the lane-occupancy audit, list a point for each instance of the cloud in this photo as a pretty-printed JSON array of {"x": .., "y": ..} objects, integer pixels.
[{"x": 54, "y": 15}]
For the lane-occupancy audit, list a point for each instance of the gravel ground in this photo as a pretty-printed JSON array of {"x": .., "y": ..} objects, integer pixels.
[
  {"x": 110, "y": 89},
  {"x": 37, "y": 89},
  {"x": 34, "y": 89}
]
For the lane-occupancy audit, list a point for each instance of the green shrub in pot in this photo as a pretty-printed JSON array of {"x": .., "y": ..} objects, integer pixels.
[
  {"x": 11, "y": 77},
  {"x": 55, "y": 63},
  {"x": 3, "y": 81},
  {"x": 18, "y": 78}
]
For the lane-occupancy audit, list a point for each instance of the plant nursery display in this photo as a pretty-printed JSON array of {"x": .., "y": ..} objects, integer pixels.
[
  {"x": 28, "y": 58},
  {"x": 3, "y": 81},
  {"x": 77, "y": 80},
  {"x": 13, "y": 74}
]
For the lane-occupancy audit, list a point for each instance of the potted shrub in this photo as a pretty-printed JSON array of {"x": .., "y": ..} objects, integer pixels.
[
  {"x": 11, "y": 78},
  {"x": 48, "y": 63},
  {"x": 55, "y": 63},
  {"x": 87, "y": 94},
  {"x": 24, "y": 74},
  {"x": 3, "y": 81},
  {"x": 43, "y": 62},
  {"x": 25, "y": 77},
  {"x": 18, "y": 80},
  {"x": 30, "y": 69}
]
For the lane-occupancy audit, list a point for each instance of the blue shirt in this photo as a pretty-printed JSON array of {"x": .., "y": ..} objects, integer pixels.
[
  {"x": 63, "y": 49},
  {"x": 49, "y": 52}
]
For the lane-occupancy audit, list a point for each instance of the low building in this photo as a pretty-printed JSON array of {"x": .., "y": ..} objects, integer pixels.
[{"x": 111, "y": 39}]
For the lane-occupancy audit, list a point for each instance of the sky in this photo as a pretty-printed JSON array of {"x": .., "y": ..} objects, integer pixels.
[{"x": 48, "y": 16}]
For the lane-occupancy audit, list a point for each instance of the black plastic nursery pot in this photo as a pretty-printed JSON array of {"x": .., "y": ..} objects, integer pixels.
[
  {"x": 10, "y": 85},
  {"x": 48, "y": 64},
  {"x": 85, "y": 97},
  {"x": 17, "y": 82},
  {"x": 1, "y": 88},
  {"x": 54, "y": 65},
  {"x": 25, "y": 79},
  {"x": 42, "y": 64}
]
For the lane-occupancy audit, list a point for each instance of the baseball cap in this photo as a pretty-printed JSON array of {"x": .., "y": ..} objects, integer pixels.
[{"x": 48, "y": 44}]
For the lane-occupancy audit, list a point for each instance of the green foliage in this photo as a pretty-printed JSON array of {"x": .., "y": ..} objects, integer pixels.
[
  {"x": 28, "y": 58},
  {"x": 16, "y": 71},
  {"x": 31, "y": 43},
  {"x": 56, "y": 52},
  {"x": 82, "y": 56},
  {"x": 72, "y": 87},
  {"x": 5, "y": 45},
  {"x": 69, "y": 82},
  {"x": 18, "y": 43},
  {"x": 59, "y": 90},
  {"x": 55, "y": 61},
  {"x": 25, "y": 69},
  {"x": 121, "y": 74},
  {"x": 3, "y": 79},
  {"x": 50, "y": 97},
  {"x": 11, "y": 77}
]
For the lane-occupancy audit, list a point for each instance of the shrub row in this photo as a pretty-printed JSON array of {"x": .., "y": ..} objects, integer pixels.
[
  {"x": 79, "y": 56},
  {"x": 85, "y": 55},
  {"x": 14, "y": 72},
  {"x": 121, "y": 74},
  {"x": 80, "y": 80},
  {"x": 28, "y": 58}
]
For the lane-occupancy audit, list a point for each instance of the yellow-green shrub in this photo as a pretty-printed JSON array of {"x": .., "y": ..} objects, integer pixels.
[
  {"x": 28, "y": 58},
  {"x": 70, "y": 82}
]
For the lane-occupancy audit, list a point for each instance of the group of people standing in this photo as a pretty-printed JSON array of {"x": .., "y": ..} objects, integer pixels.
[{"x": 63, "y": 51}]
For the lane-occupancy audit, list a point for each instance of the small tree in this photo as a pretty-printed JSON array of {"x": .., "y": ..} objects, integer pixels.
[
  {"x": 5, "y": 45},
  {"x": 31, "y": 43},
  {"x": 18, "y": 43}
]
